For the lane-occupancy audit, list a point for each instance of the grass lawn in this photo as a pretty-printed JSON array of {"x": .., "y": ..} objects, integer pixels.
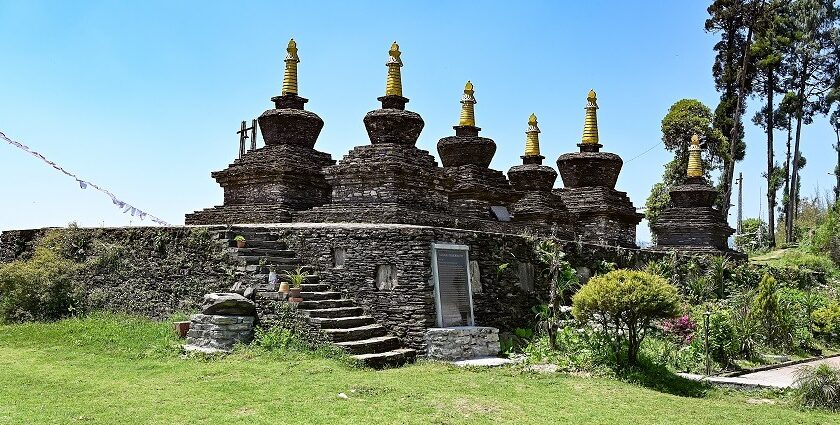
[{"x": 118, "y": 370}]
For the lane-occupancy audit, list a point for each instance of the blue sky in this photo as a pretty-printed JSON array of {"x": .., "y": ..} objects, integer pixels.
[{"x": 144, "y": 98}]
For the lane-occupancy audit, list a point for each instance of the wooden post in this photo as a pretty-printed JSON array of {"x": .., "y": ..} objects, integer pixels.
[
  {"x": 242, "y": 136},
  {"x": 253, "y": 134}
]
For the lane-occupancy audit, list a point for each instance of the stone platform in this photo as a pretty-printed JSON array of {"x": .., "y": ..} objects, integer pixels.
[{"x": 462, "y": 343}]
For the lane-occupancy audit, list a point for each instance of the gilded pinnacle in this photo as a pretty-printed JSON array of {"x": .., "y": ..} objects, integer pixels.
[
  {"x": 467, "y": 106},
  {"x": 393, "y": 85},
  {"x": 590, "y": 121},
  {"x": 695, "y": 166},
  {"x": 532, "y": 137},
  {"x": 290, "y": 83}
]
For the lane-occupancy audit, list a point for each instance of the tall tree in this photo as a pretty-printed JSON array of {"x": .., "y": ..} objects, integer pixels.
[
  {"x": 835, "y": 122},
  {"x": 814, "y": 72},
  {"x": 733, "y": 71},
  {"x": 768, "y": 50}
]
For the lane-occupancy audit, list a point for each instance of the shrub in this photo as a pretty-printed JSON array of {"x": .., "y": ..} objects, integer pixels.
[
  {"x": 826, "y": 237},
  {"x": 40, "y": 288},
  {"x": 826, "y": 320},
  {"x": 625, "y": 303},
  {"x": 767, "y": 312},
  {"x": 818, "y": 387},
  {"x": 681, "y": 329},
  {"x": 725, "y": 343}
]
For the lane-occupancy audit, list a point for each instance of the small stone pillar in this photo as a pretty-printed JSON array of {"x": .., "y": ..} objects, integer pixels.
[
  {"x": 212, "y": 333},
  {"x": 226, "y": 319}
]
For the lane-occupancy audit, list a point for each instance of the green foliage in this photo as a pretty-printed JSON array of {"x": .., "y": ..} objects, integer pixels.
[
  {"x": 577, "y": 349},
  {"x": 562, "y": 280},
  {"x": 684, "y": 119},
  {"x": 656, "y": 202},
  {"x": 826, "y": 321},
  {"x": 624, "y": 303},
  {"x": 767, "y": 312},
  {"x": 41, "y": 288},
  {"x": 239, "y": 238},
  {"x": 753, "y": 237},
  {"x": 818, "y": 387},
  {"x": 825, "y": 240},
  {"x": 295, "y": 277}
]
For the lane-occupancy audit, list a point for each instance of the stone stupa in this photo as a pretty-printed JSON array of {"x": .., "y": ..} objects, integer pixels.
[
  {"x": 466, "y": 157},
  {"x": 270, "y": 184},
  {"x": 691, "y": 223},
  {"x": 603, "y": 215}
]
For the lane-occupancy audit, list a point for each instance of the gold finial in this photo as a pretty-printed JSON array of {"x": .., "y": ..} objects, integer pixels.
[
  {"x": 590, "y": 122},
  {"x": 393, "y": 85},
  {"x": 532, "y": 137},
  {"x": 467, "y": 106},
  {"x": 695, "y": 167},
  {"x": 290, "y": 83}
]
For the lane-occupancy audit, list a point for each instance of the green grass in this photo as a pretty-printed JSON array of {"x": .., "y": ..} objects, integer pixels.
[
  {"x": 108, "y": 370},
  {"x": 796, "y": 257}
]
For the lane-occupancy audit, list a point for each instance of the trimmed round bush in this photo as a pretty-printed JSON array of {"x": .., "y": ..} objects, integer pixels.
[{"x": 624, "y": 303}]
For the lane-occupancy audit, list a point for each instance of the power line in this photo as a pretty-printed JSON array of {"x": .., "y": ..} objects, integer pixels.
[
  {"x": 126, "y": 207},
  {"x": 650, "y": 149}
]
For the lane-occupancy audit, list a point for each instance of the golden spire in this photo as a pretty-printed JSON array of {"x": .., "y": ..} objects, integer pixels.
[
  {"x": 695, "y": 167},
  {"x": 590, "y": 122},
  {"x": 393, "y": 86},
  {"x": 467, "y": 108},
  {"x": 290, "y": 83},
  {"x": 532, "y": 137}
]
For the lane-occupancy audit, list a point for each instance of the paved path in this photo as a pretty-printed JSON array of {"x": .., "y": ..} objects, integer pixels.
[
  {"x": 781, "y": 377},
  {"x": 784, "y": 376}
]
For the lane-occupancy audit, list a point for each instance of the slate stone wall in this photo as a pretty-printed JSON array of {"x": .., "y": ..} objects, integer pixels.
[
  {"x": 158, "y": 271},
  {"x": 148, "y": 271},
  {"x": 405, "y": 304}
]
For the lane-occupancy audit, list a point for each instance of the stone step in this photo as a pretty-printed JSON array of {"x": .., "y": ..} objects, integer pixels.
[
  {"x": 335, "y": 312},
  {"x": 314, "y": 305},
  {"x": 252, "y": 234},
  {"x": 314, "y": 287},
  {"x": 393, "y": 358},
  {"x": 275, "y": 245},
  {"x": 355, "y": 334},
  {"x": 257, "y": 270},
  {"x": 326, "y": 295},
  {"x": 341, "y": 322},
  {"x": 257, "y": 259},
  {"x": 264, "y": 252},
  {"x": 379, "y": 344},
  {"x": 312, "y": 279}
]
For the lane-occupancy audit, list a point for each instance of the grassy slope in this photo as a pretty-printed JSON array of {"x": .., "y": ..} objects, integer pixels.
[{"x": 93, "y": 371}]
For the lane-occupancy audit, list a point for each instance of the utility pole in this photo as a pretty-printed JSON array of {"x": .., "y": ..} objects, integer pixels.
[{"x": 739, "y": 229}]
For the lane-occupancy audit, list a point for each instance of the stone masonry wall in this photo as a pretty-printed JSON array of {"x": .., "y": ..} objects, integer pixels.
[
  {"x": 384, "y": 268},
  {"x": 148, "y": 271}
]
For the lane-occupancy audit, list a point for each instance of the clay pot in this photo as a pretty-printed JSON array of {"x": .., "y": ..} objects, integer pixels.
[
  {"x": 240, "y": 244},
  {"x": 181, "y": 329},
  {"x": 294, "y": 292},
  {"x": 284, "y": 287}
]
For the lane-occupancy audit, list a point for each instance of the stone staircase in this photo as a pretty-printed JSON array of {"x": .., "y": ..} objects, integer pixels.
[{"x": 327, "y": 311}]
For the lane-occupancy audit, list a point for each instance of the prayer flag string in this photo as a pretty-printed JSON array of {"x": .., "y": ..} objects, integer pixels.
[{"x": 127, "y": 208}]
